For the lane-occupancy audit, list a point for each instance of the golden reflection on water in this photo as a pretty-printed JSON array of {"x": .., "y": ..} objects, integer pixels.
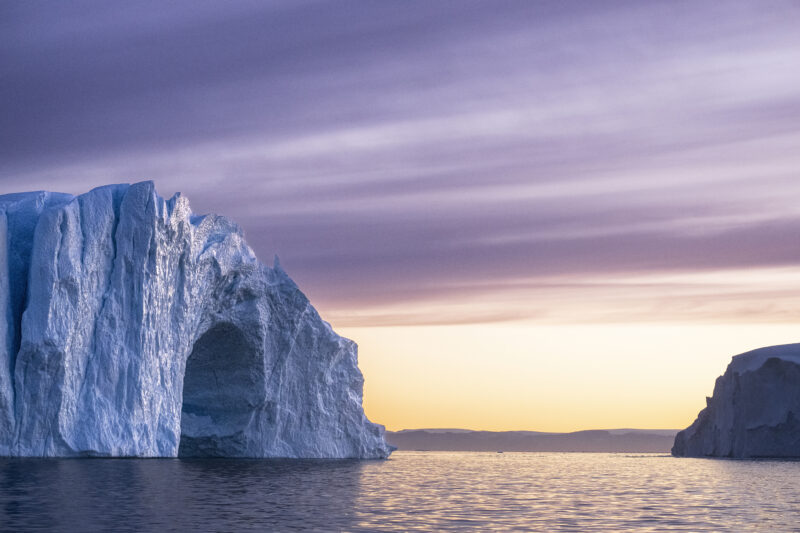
[{"x": 577, "y": 492}]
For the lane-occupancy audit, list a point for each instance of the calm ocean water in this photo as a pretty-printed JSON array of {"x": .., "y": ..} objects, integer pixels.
[{"x": 412, "y": 490}]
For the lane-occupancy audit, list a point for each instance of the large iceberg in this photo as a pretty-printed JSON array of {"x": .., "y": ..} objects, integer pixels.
[
  {"x": 135, "y": 328},
  {"x": 755, "y": 409}
]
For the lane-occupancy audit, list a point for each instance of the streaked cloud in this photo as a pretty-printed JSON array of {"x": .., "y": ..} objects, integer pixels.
[{"x": 428, "y": 162}]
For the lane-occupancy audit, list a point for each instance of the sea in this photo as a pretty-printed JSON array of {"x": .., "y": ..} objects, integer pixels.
[{"x": 426, "y": 491}]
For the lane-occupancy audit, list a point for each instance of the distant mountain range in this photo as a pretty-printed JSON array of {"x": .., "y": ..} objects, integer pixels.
[{"x": 602, "y": 440}]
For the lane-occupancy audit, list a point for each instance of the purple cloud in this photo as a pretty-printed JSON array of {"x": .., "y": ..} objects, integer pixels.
[{"x": 413, "y": 151}]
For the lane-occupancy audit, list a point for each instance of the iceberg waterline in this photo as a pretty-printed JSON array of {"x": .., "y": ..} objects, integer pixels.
[
  {"x": 754, "y": 410},
  {"x": 135, "y": 328}
]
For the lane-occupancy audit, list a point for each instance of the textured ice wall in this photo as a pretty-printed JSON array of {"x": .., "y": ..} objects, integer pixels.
[
  {"x": 134, "y": 328},
  {"x": 755, "y": 409}
]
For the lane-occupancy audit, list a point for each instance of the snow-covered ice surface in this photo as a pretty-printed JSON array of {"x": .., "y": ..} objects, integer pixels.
[
  {"x": 135, "y": 328},
  {"x": 754, "y": 411}
]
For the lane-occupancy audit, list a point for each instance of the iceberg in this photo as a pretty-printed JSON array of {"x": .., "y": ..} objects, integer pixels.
[
  {"x": 134, "y": 328},
  {"x": 754, "y": 411}
]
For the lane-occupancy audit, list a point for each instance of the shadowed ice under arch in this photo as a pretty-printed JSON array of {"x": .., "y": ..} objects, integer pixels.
[{"x": 222, "y": 389}]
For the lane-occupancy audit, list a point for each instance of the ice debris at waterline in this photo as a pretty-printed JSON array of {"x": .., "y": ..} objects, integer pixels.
[
  {"x": 135, "y": 328},
  {"x": 755, "y": 409}
]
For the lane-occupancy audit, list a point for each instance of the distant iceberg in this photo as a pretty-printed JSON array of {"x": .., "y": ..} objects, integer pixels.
[
  {"x": 134, "y": 328},
  {"x": 755, "y": 409}
]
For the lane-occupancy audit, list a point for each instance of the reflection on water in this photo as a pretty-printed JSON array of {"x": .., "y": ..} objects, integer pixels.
[
  {"x": 176, "y": 495},
  {"x": 455, "y": 491}
]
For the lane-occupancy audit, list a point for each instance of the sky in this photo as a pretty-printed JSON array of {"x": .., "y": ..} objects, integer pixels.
[{"x": 530, "y": 215}]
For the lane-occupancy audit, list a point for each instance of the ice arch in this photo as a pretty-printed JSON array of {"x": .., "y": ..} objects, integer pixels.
[
  {"x": 223, "y": 389},
  {"x": 148, "y": 331}
]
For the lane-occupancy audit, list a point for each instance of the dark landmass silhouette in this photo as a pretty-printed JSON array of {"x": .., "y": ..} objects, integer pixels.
[{"x": 614, "y": 440}]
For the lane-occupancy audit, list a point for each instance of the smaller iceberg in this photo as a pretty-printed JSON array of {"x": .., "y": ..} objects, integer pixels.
[{"x": 754, "y": 411}]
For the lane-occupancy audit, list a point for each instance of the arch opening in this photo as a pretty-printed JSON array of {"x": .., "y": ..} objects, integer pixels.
[{"x": 223, "y": 387}]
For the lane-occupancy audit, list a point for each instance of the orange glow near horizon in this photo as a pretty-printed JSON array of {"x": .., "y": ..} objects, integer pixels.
[{"x": 527, "y": 376}]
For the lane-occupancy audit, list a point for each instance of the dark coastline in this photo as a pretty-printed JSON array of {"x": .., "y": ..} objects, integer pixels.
[{"x": 621, "y": 441}]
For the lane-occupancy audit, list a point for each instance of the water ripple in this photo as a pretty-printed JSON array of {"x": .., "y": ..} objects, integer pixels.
[{"x": 411, "y": 491}]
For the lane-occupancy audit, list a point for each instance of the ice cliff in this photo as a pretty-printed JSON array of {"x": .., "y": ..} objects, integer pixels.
[
  {"x": 754, "y": 411},
  {"x": 134, "y": 328}
]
